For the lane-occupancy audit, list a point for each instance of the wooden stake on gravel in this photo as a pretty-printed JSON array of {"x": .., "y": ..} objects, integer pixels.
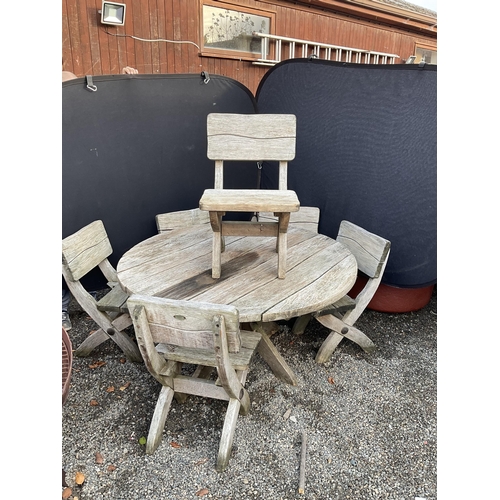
[{"x": 302, "y": 476}]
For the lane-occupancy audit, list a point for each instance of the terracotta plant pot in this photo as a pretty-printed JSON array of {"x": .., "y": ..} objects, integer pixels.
[{"x": 393, "y": 299}]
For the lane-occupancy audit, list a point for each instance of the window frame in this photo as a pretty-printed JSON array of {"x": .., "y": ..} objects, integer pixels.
[
  {"x": 424, "y": 47},
  {"x": 233, "y": 54}
]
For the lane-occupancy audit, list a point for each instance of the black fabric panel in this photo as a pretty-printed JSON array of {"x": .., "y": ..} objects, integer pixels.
[
  {"x": 137, "y": 147},
  {"x": 366, "y": 152}
]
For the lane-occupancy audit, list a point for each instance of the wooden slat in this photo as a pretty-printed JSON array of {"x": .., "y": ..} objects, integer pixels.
[
  {"x": 206, "y": 357},
  {"x": 155, "y": 248},
  {"x": 306, "y": 218},
  {"x": 195, "y": 276},
  {"x": 102, "y": 40},
  {"x": 186, "y": 324},
  {"x": 73, "y": 39},
  {"x": 115, "y": 300},
  {"x": 154, "y": 21},
  {"x": 67, "y": 59},
  {"x": 85, "y": 249},
  {"x": 249, "y": 200},
  {"x": 254, "y": 264},
  {"x": 179, "y": 31},
  {"x": 167, "y": 278},
  {"x": 162, "y": 46},
  {"x": 182, "y": 218},
  {"x": 199, "y": 387},
  {"x": 369, "y": 249},
  {"x": 151, "y": 275},
  {"x": 308, "y": 286},
  {"x": 128, "y": 57},
  {"x": 247, "y": 228},
  {"x": 94, "y": 29},
  {"x": 251, "y": 137},
  {"x": 262, "y": 286}
]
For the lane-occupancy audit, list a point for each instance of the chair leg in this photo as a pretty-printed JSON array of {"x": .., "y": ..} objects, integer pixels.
[
  {"x": 227, "y": 437},
  {"x": 282, "y": 251},
  {"x": 159, "y": 418},
  {"x": 91, "y": 342},
  {"x": 328, "y": 346},
  {"x": 300, "y": 324},
  {"x": 216, "y": 254},
  {"x": 126, "y": 344},
  {"x": 339, "y": 330},
  {"x": 360, "y": 338},
  {"x": 273, "y": 358}
]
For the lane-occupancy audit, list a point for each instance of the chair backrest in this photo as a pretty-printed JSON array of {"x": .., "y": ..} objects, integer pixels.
[
  {"x": 182, "y": 218},
  {"x": 186, "y": 323},
  {"x": 85, "y": 250},
  {"x": 306, "y": 218},
  {"x": 258, "y": 137},
  {"x": 371, "y": 251}
]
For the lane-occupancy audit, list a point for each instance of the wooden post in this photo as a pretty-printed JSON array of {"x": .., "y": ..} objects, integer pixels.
[{"x": 302, "y": 476}]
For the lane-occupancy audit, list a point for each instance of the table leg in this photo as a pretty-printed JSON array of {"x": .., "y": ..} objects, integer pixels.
[{"x": 271, "y": 355}]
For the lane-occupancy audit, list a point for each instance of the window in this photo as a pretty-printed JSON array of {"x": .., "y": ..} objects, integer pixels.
[
  {"x": 426, "y": 55},
  {"x": 227, "y": 30}
]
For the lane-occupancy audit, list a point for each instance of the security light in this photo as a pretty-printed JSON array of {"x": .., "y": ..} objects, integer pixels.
[{"x": 113, "y": 13}]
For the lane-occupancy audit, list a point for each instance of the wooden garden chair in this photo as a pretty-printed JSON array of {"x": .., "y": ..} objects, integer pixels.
[
  {"x": 182, "y": 218},
  {"x": 173, "y": 332},
  {"x": 239, "y": 137},
  {"x": 371, "y": 253},
  {"x": 83, "y": 251}
]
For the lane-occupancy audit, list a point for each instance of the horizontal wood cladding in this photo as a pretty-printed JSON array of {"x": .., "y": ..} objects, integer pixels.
[{"x": 164, "y": 36}]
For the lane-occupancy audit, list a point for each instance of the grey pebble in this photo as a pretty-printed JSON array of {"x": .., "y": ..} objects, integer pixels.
[{"x": 371, "y": 435}]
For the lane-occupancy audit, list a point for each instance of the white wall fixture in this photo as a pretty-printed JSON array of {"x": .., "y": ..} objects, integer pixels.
[{"x": 113, "y": 13}]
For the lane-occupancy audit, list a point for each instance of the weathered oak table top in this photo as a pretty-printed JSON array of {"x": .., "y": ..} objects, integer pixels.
[{"x": 178, "y": 265}]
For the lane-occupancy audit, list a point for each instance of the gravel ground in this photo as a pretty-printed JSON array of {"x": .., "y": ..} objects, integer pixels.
[{"x": 370, "y": 420}]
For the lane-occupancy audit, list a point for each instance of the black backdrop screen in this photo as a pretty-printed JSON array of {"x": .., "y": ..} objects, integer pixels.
[
  {"x": 137, "y": 147},
  {"x": 366, "y": 152}
]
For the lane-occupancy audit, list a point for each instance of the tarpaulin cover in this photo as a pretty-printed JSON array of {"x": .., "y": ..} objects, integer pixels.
[
  {"x": 137, "y": 147},
  {"x": 366, "y": 152}
]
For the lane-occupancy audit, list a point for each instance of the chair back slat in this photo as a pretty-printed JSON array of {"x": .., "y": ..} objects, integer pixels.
[
  {"x": 180, "y": 219},
  {"x": 85, "y": 249},
  {"x": 239, "y": 137},
  {"x": 187, "y": 324},
  {"x": 370, "y": 250},
  {"x": 306, "y": 218}
]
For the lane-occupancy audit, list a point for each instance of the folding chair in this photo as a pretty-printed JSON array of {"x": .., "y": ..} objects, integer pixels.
[
  {"x": 182, "y": 218},
  {"x": 83, "y": 251},
  {"x": 173, "y": 332},
  {"x": 371, "y": 253},
  {"x": 238, "y": 137}
]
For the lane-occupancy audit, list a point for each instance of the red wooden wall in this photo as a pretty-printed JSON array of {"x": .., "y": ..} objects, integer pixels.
[{"x": 88, "y": 49}]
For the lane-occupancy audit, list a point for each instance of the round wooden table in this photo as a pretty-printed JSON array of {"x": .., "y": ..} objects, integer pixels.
[{"x": 178, "y": 265}]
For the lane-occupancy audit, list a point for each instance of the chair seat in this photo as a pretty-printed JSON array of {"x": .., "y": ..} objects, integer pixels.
[
  {"x": 114, "y": 301},
  {"x": 249, "y": 200},
  {"x": 206, "y": 357}
]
